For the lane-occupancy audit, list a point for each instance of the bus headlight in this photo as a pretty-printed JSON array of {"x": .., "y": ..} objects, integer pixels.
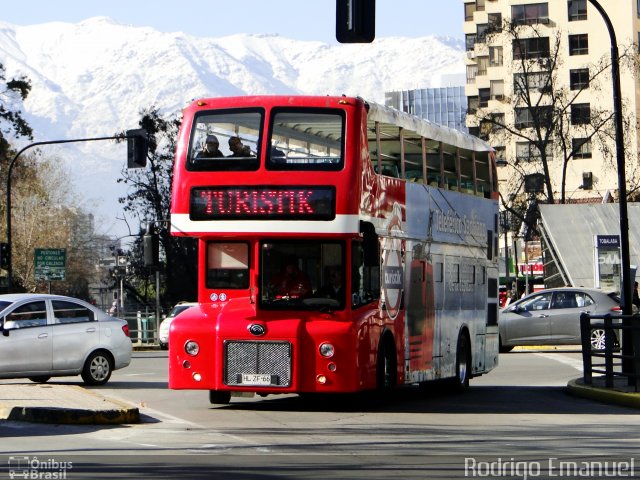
[
  {"x": 327, "y": 350},
  {"x": 192, "y": 348}
]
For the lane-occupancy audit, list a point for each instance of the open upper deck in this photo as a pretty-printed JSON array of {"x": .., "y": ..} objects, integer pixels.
[{"x": 264, "y": 159}]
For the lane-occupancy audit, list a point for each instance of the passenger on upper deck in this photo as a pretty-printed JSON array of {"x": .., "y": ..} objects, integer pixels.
[
  {"x": 210, "y": 148},
  {"x": 238, "y": 149}
]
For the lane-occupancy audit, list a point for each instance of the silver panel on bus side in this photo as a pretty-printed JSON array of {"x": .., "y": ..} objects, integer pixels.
[{"x": 453, "y": 247}]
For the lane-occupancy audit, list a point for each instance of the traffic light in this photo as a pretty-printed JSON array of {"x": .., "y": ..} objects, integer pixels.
[
  {"x": 137, "y": 148},
  {"x": 355, "y": 21},
  {"x": 4, "y": 255},
  {"x": 151, "y": 247}
]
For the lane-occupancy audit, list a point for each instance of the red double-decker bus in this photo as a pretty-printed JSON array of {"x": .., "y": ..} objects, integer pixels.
[{"x": 343, "y": 246}]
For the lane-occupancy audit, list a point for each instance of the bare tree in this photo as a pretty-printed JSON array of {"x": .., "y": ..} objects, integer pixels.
[{"x": 543, "y": 114}]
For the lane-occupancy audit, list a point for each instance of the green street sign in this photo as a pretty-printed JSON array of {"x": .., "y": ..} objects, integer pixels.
[{"x": 50, "y": 263}]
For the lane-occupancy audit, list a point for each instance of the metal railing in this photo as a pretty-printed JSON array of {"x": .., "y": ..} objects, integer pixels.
[
  {"x": 611, "y": 362},
  {"x": 143, "y": 326}
]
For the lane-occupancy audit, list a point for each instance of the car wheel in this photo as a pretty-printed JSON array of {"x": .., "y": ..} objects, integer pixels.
[
  {"x": 598, "y": 339},
  {"x": 463, "y": 364},
  {"x": 503, "y": 349},
  {"x": 42, "y": 379},
  {"x": 219, "y": 397},
  {"x": 97, "y": 369}
]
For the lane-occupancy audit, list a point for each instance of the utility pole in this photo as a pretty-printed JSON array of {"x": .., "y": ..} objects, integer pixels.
[{"x": 627, "y": 346}]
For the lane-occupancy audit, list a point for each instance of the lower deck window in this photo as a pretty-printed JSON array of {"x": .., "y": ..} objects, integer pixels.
[{"x": 227, "y": 265}]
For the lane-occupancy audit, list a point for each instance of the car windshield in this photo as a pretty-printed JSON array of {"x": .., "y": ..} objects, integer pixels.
[{"x": 179, "y": 309}]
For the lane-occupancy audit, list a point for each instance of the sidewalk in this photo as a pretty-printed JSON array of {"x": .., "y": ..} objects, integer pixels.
[{"x": 65, "y": 404}]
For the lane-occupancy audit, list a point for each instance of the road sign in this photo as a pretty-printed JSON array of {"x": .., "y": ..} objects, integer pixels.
[
  {"x": 107, "y": 262},
  {"x": 50, "y": 263}
]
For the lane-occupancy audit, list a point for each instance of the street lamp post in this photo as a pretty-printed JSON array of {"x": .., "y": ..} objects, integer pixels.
[
  {"x": 506, "y": 226},
  {"x": 627, "y": 348}
]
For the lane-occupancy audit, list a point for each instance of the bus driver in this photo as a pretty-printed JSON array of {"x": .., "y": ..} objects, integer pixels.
[{"x": 290, "y": 282}]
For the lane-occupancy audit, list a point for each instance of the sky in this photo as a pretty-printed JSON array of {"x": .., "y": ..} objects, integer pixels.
[{"x": 296, "y": 19}]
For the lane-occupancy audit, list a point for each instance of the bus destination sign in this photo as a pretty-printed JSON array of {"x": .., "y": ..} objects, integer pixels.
[{"x": 263, "y": 203}]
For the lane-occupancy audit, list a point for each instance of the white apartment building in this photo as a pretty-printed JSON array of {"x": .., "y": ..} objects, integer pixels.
[{"x": 494, "y": 67}]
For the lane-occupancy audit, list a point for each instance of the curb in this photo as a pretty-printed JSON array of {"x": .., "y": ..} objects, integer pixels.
[
  {"x": 606, "y": 395},
  {"x": 72, "y": 416},
  {"x": 85, "y": 407}
]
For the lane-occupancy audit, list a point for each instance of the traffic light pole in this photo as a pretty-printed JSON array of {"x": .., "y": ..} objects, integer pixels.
[{"x": 131, "y": 134}]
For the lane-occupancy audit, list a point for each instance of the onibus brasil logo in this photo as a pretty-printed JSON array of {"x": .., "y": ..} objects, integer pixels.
[{"x": 34, "y": 468}]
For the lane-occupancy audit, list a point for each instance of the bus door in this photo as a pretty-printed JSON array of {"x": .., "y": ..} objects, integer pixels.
[{"x": 420, "y": 314}]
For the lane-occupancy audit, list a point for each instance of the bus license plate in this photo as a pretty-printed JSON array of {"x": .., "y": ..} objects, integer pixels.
[{"x": 256, "y": 379}]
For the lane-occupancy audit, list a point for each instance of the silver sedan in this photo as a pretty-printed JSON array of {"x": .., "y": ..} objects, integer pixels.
[
  {"x": 44, "y": 336},
  {"x": 552, "y": 317}
]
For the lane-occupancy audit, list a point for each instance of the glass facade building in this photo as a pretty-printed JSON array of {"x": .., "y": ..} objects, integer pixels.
[{"x": 445, "y": 106}]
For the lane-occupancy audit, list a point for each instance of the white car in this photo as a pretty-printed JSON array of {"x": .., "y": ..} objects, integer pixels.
[
  {"x": 44, "y": 336},
  {"x": 163, "y": 331}
]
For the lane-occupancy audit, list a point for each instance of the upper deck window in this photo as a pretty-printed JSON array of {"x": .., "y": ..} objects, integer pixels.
[
  {"x": 306, "y": 139},
  {"x": 226, "y": 140}
]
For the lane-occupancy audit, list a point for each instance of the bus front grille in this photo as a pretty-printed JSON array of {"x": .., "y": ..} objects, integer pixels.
[{"x": 257, "y": 363}]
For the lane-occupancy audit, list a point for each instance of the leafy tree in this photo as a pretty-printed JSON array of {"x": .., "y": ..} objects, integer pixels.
[{"x": 149, "y": 200}]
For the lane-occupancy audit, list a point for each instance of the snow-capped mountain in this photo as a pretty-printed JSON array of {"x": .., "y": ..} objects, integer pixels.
[{"x": 94, "y": 77}]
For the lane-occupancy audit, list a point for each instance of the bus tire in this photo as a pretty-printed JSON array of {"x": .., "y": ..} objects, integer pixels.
[
  {"x": 460, "y": 382},
  {"x": 219, "y": 397},
  {"x": 386, "y": 367}
]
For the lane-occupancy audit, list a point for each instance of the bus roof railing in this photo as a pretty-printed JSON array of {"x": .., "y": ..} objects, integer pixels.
[{"x": 426, "y": 128}]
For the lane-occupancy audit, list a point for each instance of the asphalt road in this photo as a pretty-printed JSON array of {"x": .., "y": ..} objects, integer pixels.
[{"x": 520, "y": 412}]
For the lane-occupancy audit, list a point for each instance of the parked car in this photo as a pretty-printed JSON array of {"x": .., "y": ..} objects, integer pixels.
[
  {"x": 44, "y": 336},
  {"x": 552, "y": 317},
  {"x": 163, "y": 331}
]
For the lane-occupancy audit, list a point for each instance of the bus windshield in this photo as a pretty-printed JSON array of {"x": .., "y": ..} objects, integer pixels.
[
  {"x": 309, "y": 139},
  {"x": 302, "y": 275},
  {"x": 226, "y": 140}
]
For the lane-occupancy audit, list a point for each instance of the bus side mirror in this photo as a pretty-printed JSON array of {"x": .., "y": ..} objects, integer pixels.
[{"x": 355, "y": 21}]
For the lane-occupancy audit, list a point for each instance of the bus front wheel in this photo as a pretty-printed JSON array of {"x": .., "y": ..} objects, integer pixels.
[{"x": 219, "y": 397}]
